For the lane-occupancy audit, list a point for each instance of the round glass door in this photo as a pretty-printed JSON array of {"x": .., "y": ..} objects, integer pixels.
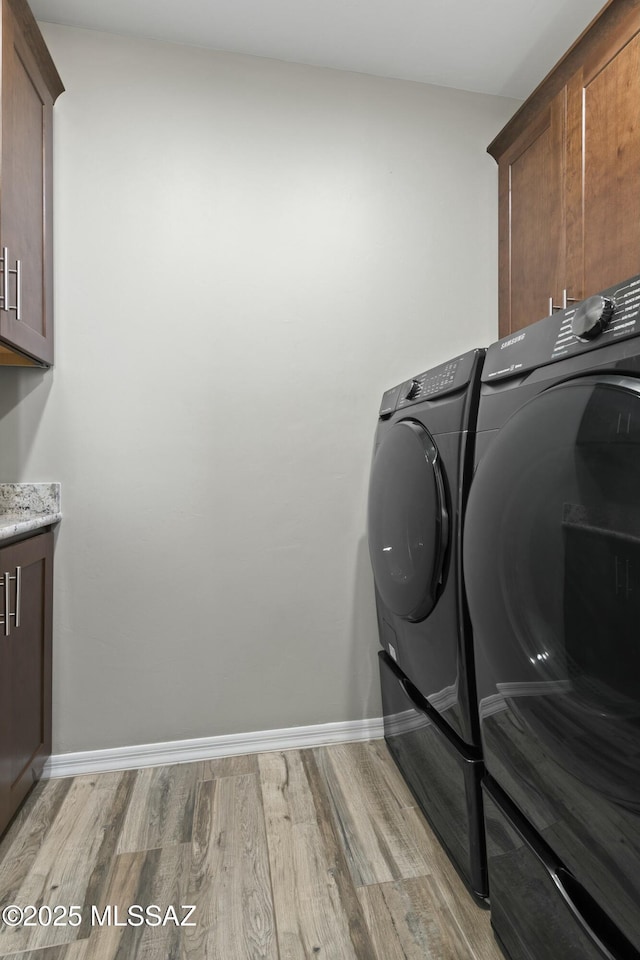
[
  {"x": 552, "y": 573},
  {"x": 408, "y": 523}
]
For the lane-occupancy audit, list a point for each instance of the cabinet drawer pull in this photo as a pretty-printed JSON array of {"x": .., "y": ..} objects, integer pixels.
[{"x": 17, "y": 272}]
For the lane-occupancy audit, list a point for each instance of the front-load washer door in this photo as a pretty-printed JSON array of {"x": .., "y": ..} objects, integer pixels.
[
  {"x": 408, "y": 522},
  {"x": 552, "y": 572}
]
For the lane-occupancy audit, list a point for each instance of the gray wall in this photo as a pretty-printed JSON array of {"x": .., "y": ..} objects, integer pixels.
[{"x": 247, "y": 253}]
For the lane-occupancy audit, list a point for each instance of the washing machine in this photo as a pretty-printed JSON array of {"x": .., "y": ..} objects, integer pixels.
[
  {"x": 552, "y": 574},
  {"x": 422, "y": 461}
]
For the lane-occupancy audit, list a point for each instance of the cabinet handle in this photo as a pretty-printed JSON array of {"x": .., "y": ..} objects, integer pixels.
[
  {"x": 18, "y": 306},
  {"x": 7, "y": 615},
  {"x": 18, "y": 589},
  {"x": 565, "y": 300},
  {"x": 6, "y": 271},
  {"x": 552, "y": 306},
  {"x": 4, "y": 260},
  {"x": 6, "y": 623}
]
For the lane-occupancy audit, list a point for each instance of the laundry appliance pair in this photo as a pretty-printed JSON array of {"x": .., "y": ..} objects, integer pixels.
[{"x": 505, "y": 496}]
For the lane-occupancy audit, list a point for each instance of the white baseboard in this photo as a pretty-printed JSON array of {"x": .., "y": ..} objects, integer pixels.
[{"x": 210, "y": 748}]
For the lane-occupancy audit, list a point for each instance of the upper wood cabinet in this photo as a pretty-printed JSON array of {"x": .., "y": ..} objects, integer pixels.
[
  {"x": 569, "y": 175},
  {"x": 532, "y": 217},
  {"x": 29, "y": 87}
]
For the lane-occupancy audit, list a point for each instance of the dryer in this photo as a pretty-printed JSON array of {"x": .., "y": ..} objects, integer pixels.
[
  {"x": 552, "y": 573},
  {"x": 419, "y": 481}
]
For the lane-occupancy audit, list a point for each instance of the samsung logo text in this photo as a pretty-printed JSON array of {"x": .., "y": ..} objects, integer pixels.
[{"x": 509, "y": 343}]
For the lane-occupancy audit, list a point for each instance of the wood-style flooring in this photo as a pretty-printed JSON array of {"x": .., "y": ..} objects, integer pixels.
[{"x": 301, "y": 855}]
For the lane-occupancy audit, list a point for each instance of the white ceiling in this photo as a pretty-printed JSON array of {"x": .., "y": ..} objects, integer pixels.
[{"x": 503, "y": 47}]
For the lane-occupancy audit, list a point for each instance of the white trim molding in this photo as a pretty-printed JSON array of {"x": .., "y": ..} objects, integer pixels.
[{"x": 210, "y": 748}]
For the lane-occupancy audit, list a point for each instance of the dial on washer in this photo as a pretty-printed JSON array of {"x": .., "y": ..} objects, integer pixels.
[{"x": 592, "y": 317}]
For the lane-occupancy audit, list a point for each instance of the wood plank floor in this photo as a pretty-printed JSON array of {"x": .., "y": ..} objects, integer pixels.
[{"x": 286, "y": 856}]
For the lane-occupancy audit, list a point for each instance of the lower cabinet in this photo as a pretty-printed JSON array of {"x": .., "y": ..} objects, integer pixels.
[{"x": 26, "y": 594}]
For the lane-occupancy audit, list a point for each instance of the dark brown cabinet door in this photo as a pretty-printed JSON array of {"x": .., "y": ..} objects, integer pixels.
[
  {"x": 606, "y": 95},
  {"x": 27, "y": 95},
  {"x": 532, "y": 254},
  {"x": 26, "y": 568}
]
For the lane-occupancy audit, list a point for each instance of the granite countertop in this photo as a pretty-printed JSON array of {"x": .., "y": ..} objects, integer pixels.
[{"x": 28, "y": 506}]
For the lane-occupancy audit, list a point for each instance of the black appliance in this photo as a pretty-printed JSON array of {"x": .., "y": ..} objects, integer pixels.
[
  {"x": 552, "y": 574},
  {"x": 422, "y": 460}
]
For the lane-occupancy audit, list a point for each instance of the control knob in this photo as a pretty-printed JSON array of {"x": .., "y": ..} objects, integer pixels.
[
  {"x": 592, "y": 317},
  {"x": 415, "y": 388}
]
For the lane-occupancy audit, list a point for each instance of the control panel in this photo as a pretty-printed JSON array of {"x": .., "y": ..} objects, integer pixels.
[
  {"x": 449, "y": 377},
  {"x": 429, "y": 384},
  {"x": 604, "y": 318}
]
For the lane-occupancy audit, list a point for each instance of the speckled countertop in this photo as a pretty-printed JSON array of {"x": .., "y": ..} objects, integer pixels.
[{"x": 27, "y": 506}]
